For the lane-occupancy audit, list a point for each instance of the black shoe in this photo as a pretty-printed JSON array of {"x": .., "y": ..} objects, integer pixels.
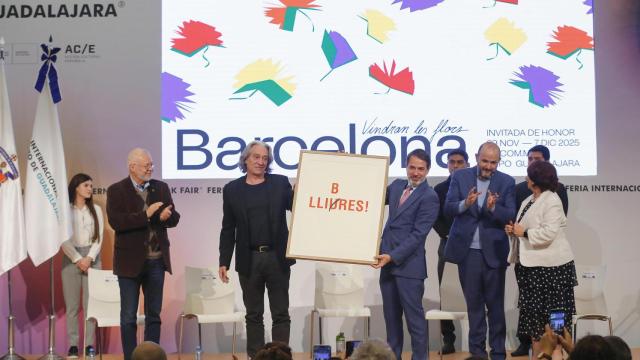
[
  {"x": 522, "y": 350},
  {"x": 73, "y": 352},
  {"x": 448, "y": 349},
  {"x": 89, "y": 350}
]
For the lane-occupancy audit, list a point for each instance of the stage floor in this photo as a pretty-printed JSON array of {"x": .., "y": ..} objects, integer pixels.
[{"x": 303, "y": 356}]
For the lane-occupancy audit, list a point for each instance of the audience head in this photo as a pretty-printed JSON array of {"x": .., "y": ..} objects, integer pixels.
[
  {"x": 373, "y": 350},
  {"x": 620, "y": 348},
  {"x": 148, "y": 350},
  {"x": 274, "y": 351},
  {"x": 543, "y": 175},
  {"x": 592, "y": 347}
]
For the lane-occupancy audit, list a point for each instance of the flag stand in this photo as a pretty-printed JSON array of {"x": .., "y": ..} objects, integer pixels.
[
  {"x": 11, "y": 355},
  {"x": 51, "y": 355}
]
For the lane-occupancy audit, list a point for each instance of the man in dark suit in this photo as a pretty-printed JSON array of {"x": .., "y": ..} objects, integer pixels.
[
  {"x": 254, "y": 223},
  {"x": 140, "y": 210},
  {"x": 481, "y": 201},
  {"x": 413, "y": 208},
  {"x": 456, "y": 159},
  {"x": 536, "y": 153}
]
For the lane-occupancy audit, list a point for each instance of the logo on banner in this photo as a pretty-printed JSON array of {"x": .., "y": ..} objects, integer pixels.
[
  {"x": 61, "y": 10},
  {"x": 80, "y": 52},
  {"x": 8, "y": 167}
]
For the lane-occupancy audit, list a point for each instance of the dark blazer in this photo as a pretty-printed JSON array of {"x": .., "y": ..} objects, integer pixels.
[
  {"x": 443, "y": 223},
  {"x": 493, "y": 239},
  {"x": 235, "y": 223},
  {"x": 129, "y": 220},
  {"x": 406, "y": 230},
  {"x": 523, "y": 192}
]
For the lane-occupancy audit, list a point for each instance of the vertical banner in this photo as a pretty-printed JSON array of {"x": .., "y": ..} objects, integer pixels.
[
  {"x": 47, "y": 208},
  {"x": 12, "y": 238}
]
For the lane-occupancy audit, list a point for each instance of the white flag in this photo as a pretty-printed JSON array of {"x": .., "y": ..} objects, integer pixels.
[
  {"x": 46, "y": 202},
  {"x": 13, "y": 248}
]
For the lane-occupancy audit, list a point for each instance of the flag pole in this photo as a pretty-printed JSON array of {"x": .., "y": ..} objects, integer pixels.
[
  {"x": 11, "y": 354},
  {"x": 51, "y": 355}
]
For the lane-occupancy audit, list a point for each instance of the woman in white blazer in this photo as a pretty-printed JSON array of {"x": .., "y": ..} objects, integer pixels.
[{"x": 545, "y": 270}]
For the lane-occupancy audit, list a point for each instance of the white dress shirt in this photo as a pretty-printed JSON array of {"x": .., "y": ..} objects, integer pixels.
[{"x": 83, "y": 233}]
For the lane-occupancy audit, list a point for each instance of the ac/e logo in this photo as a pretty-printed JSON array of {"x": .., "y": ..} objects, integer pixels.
[{"x": 80, "y": 49}]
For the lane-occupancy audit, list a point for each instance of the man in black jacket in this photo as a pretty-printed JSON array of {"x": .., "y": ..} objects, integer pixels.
[
  {"x": 456, "y": 159},
  {"x": 254, "y": 223},
  {"x": 536, "y": 153}
]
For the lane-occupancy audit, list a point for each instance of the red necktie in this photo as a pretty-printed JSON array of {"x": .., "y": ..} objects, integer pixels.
[{"x": 405, "y": 195}]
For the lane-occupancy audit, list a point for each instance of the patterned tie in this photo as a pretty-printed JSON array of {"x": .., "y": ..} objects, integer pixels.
[{"x": 405, "y": 195}]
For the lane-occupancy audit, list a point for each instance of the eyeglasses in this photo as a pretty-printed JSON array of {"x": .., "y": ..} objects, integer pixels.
[{"x": 146, "y": 166}]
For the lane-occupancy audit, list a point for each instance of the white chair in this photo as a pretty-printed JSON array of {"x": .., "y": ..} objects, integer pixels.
[
  {"x": 452, "y": 303},
  {"x": 589, "y": 294},
  {"x": 103, "y": 306},
  {"x": 339, "y": 293},
  {"x": 209, "y": 300}
]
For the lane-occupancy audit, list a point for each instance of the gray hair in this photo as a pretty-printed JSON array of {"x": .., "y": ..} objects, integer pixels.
[
  {"x": 247, "y": 150},
  {"x": 136, "y": 153},
  {"x": 373, "y": 350}
]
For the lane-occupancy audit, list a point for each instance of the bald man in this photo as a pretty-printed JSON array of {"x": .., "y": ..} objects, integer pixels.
[
  {"x": 481, "y": 202},
  {"x": 140, "y": 210}
]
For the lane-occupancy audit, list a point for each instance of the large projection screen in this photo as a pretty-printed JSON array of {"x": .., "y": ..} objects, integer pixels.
[{"x": 376, "y": 77}]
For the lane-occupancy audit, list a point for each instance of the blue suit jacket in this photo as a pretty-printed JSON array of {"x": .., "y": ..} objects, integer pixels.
[
  {"x": 407, "y": 227},
  {"x": 493, "y": 239}
]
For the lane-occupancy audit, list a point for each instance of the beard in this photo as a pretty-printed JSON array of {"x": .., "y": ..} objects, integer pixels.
[{"x": 415, "y": 184}]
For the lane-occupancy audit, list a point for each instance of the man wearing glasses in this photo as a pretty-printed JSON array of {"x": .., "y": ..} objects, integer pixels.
[{"x": 140, "y": 210}]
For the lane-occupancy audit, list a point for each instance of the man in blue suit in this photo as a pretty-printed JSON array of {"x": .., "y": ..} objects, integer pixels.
[
  {"x": 481, "y": 202},
  {"x": 413, "y": 208}
]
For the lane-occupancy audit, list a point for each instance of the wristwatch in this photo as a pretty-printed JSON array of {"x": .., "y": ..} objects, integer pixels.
[
  {"x": 544, "y": 356},
  {"x": 526, "y": 234}
]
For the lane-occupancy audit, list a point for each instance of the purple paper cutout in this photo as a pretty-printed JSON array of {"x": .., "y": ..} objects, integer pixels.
[
  {"x": 590, "y": 4},
  {"x": 344, "y": 53},
  {"x": 174, "y": 98},
  {"x": 542, "y": 84},
  {"x": 415, "y": 5}
]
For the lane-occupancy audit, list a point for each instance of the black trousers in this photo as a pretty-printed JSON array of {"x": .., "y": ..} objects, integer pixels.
[
  {"x": 266, "y": 272},
  {"x": 446, "y": 326}
]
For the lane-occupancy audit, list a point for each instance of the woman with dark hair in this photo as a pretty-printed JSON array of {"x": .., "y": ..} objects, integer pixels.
[
  {"x": 82, "y": 252},
  {"x": 545, "y": 270}
]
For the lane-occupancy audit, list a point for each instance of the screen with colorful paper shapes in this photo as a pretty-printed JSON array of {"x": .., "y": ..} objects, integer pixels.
[{"x": 378, "y": 77}]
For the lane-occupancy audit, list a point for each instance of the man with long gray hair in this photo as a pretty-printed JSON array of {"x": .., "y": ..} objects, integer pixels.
[{"x": 254, "y": 223}]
